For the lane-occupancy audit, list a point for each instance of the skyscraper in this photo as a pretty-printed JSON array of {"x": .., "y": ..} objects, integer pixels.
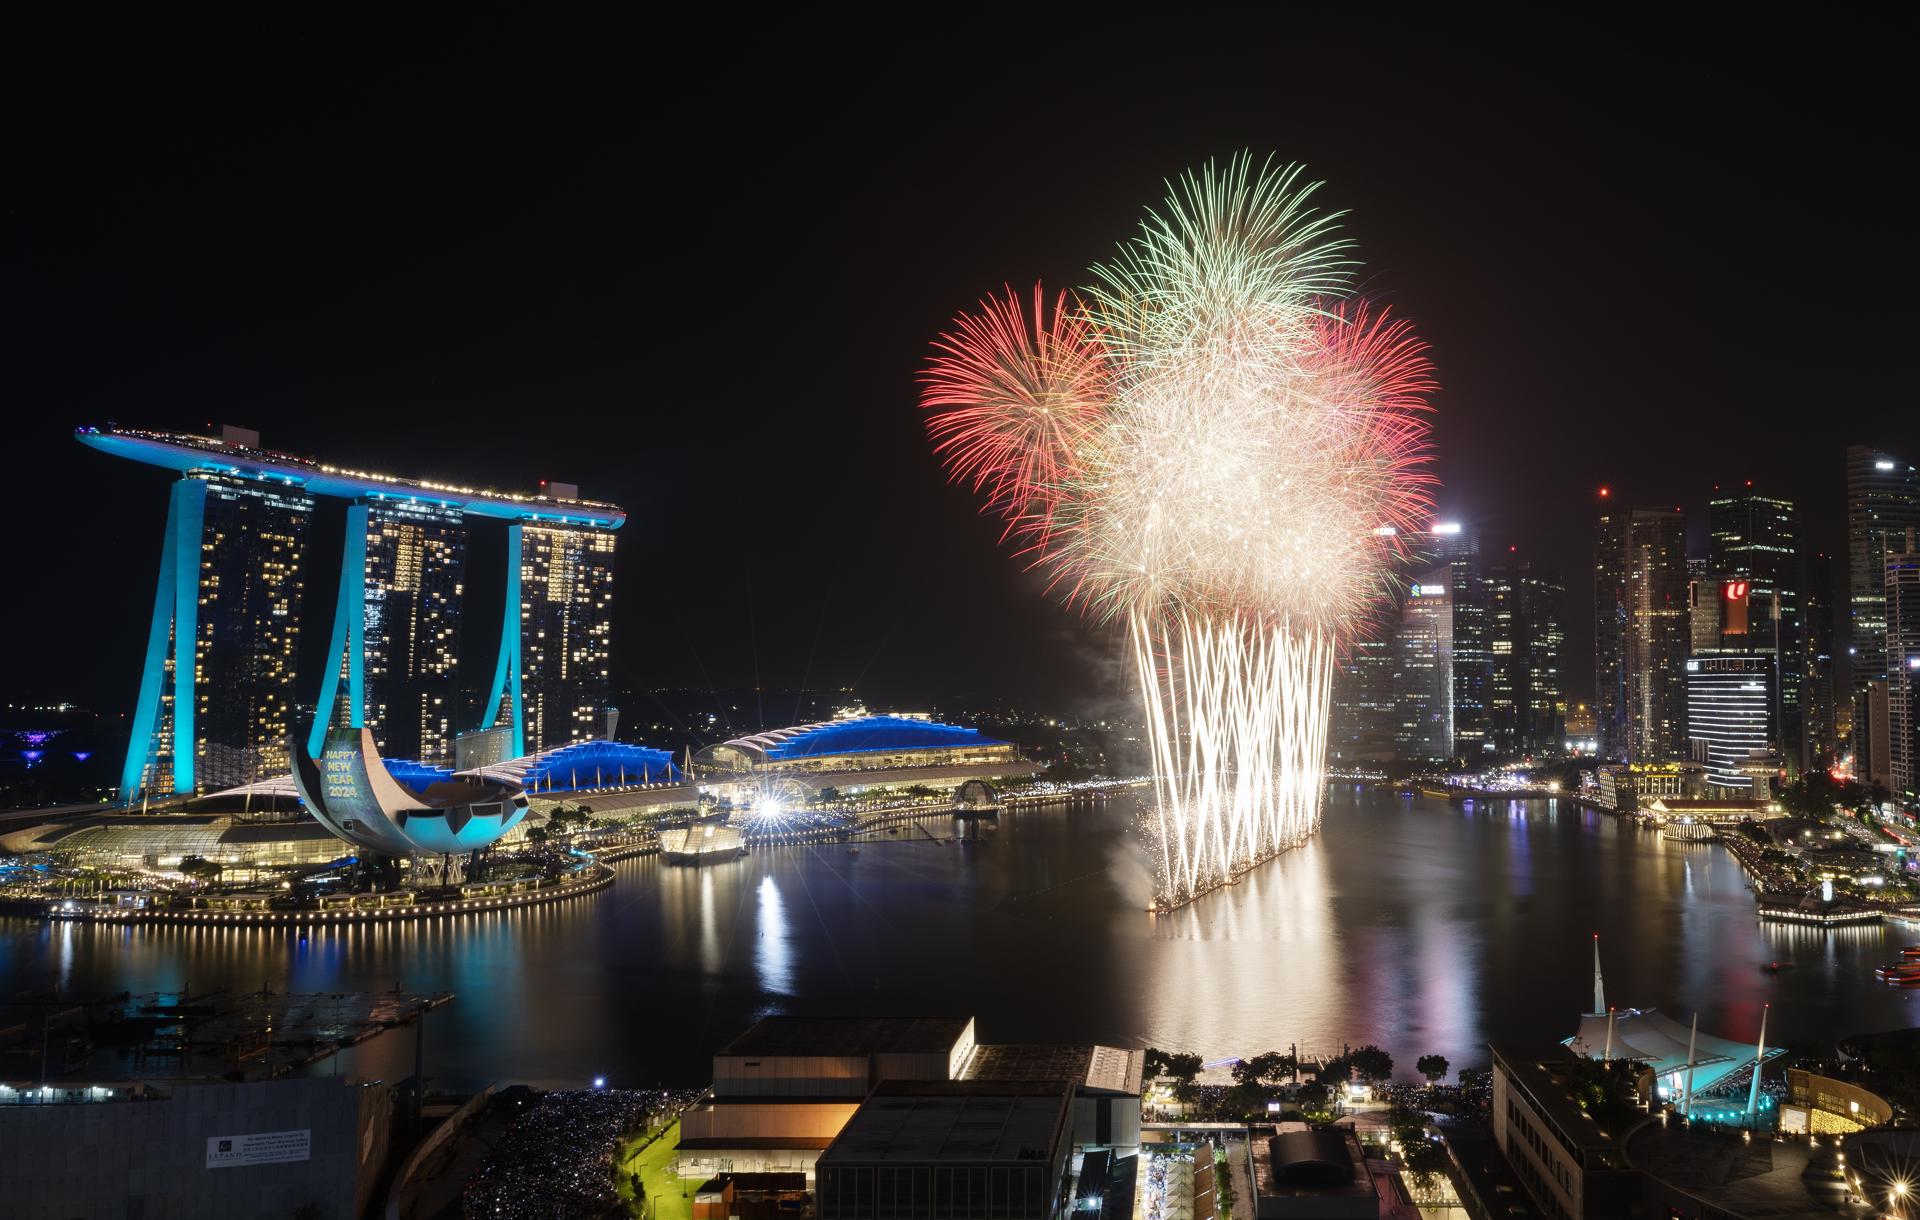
[
  {"x": 1470, "y": 638},
  {"x": 554, "y": 675},
  {"x": 1424, "y": 696},
  {"x": 1610, "y": 618},
  {"x": 1883, "y": 501},
  {"x": 1640, "y": 598},
  {"x": 1524, "y": 616},
  {"x": 1730, "y": 714},
  {"x": 1363, "y": 729},
  {"x": 1818, "y": 697},
  {"x": 1902, "y": 588},
  {"x": 402, "y": 579},
  {"x": 217, "y": 697},
  {"x": 1756, "y": 539}
]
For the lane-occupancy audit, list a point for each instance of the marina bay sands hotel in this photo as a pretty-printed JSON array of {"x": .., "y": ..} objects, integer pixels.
[{"x": 218, "y": 701}]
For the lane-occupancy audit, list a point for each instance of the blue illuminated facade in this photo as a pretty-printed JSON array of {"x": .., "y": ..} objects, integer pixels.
[
  {"x": 219, "y": 665},
  {"x": 861, "y": 743},
  {"x": 873, "y": 734},
  {"x": 217, "y": 699},
  {"x": 600, "y": 764}
]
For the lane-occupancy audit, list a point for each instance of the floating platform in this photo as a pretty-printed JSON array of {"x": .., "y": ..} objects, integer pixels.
[{"x": 703, "y": 843}]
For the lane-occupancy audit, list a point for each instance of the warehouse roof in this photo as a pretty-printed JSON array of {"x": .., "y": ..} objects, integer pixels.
[
  {"x": 1106, "y": 1068},
  {"x": 968, "y": 1121},
  {"x": 834, "y": 1036}
]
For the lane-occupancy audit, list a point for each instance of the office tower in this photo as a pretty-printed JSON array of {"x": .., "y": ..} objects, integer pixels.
[
  {"x": 1471, "y": 642},
  {"x": 1524, "y": 617},
  {"x": 1424, "y": 698},
  {"x": 1364, "y": 697},
  {"x": 554, "y": 678},
  {"x": 217, "y": 693},
  {"x": 1883, "y": 502},
  {"x": 1902, "y": 589},
  {"x": 1730, "y": 714},
  {"x": 1500, "y": 586},
  {"x": 1872, "y": 736},
  {"x": 1641, "y": 633},
  {"x": 1818, "y": 711},
  {"x": 1542, "y": 692},
  {"x": 1610, "y": 620},
  {"x": 1756, "y": 540}
]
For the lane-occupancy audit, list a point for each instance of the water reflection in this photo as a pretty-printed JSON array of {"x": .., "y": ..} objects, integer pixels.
[
  {"x": 771, "y": 960},
  {"x": 1420, "y": 926}
]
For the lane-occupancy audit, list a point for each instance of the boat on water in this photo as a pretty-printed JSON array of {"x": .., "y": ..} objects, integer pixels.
[
  {"x": 1903, "y": 980},
  {"x": 1911, "y": 953},
  {"x": 1898, "y": 969}
]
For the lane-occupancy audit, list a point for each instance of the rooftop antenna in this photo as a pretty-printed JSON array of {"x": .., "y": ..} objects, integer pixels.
[{"x": 1599, "y": 986}]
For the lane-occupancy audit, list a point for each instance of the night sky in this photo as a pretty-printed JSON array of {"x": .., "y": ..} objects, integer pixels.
[{"x": 695, "y": 269}]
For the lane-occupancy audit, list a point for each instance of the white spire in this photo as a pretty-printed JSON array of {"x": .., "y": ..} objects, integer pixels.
[
  {"x": 1599, "y": 986},
  {"x": 1759, "y": 1061},
  {"x": 1686, "y": 1105}
]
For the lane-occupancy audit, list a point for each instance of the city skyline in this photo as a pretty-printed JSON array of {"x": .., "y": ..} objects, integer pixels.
[
  {"x": 700, "y": 615},
  {"x": 1632, "y": 376}
]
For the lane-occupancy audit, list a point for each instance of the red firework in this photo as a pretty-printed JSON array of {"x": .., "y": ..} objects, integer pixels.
[
  {"x": 1377, "y": 362},
  {"x": 1010, "y": 400}
]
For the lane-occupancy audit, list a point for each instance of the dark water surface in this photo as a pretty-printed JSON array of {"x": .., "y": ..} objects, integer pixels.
[{"x": 1419, "y": 926}]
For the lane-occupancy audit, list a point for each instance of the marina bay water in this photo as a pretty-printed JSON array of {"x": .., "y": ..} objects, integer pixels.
[{"x": 1408, "y": 922}]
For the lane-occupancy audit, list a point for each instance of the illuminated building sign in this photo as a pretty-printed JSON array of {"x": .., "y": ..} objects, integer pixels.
[
  {"x": 343, "y": 778},
  {"x": 1735, "y": 594},
  {"x": 1429, "y": 590}
]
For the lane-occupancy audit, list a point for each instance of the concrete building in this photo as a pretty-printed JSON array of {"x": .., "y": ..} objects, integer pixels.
[
  {"x": 954, "y": 1149},
  {"x": 1106, "y": 1084},
  {"x": 147, "y": 1152},
  {"x": 784, "y": 1089},
  {"x": 1625, "y": 788},
  {"x": 1567, "y": 1162}
]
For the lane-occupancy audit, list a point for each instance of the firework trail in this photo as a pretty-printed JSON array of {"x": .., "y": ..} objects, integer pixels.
[{"x": 1217, "y": 446}]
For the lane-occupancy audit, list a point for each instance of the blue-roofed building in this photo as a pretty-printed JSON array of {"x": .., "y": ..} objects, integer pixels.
[
  {"x": 863, "y": 752},
  {"x": 586, "y": 766}
]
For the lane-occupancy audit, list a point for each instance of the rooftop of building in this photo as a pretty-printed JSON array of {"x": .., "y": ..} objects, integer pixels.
[
  {"x": 1541, "y": 1074},
  {"x": 1294, "y": 1161},
  {"x": 847, "y": 1036},
  {"x": 1104, "y": 1068},
  {"x": 968, "y": 1121},
  {"x": 184, "y": 452},
  {"x": 857, "y": 735}
]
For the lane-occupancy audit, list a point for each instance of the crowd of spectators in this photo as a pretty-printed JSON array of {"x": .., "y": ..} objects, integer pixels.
[{"x": 556, "y": 1159}]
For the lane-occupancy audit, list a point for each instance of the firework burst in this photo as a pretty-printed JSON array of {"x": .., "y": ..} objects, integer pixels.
[{"x": 1217, "y": 446}]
